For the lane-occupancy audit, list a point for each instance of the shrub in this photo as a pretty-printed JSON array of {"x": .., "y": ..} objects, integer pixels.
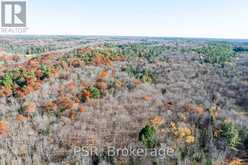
[
  {"x": 95, "y": 93},
  {"x": 7, "y": 80},
  {"x": 21, "y": 82},
  {"x": 230, "y": 133},
  {"x": 20, "y": 76},
  {"x": 147, "y": 136},
  {"x": 46, "y": 71}
]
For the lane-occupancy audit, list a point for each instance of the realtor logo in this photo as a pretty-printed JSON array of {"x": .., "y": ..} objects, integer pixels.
[{"x": 13, "y": 13}]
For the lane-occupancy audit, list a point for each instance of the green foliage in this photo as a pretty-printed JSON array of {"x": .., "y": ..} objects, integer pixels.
[
  {"x": 28, "y": 74},
  {"x": 95, "y": 93},
  {"x": 140, "y": 73},
  {"x": 147, "y": 136},
  {"x": 88, "y": 57},
  {"x": 147, "y": 51},
  {"x": 16, "y": 77},
  {"x": 216, "y": 54},
  {"x": 7, "y": 80},
  {"x": 110, "y": 52},
  {"x": 230, "y": 133},
  {"x": 20, "y": 76},
  {"x": 46, "y": 71}
]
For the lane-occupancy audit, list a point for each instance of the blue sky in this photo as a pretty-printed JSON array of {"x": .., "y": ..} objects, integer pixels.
[{"x": 179, "y": 18}]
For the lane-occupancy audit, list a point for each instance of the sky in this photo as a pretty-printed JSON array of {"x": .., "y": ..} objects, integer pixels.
[{"x": 167, "y": 18}]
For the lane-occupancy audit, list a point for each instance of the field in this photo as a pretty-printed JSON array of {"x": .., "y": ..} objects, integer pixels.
[{"x": 62, "y": 96}]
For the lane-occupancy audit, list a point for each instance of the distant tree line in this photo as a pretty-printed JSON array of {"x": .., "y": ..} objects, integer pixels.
[{"x": 240, "y": 49}]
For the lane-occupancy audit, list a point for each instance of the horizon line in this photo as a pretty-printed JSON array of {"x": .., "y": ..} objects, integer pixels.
[{"x": 132, "y": 36}]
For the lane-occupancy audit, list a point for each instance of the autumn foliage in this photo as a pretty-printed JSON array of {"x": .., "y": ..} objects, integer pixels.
[{"x": 3, "y": 128}]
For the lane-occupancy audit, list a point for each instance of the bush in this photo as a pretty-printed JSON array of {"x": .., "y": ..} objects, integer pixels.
[
  {"x": 95, "y": 93},
  {"x": 147, "y": 136},
  {"x": 46, "y": 71},
  {"x": 7, "y": 80},
  {"x": 230, "y": 133},
  {"x": 17, "y": 78},
  {"x": 21, "y": 76}
]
